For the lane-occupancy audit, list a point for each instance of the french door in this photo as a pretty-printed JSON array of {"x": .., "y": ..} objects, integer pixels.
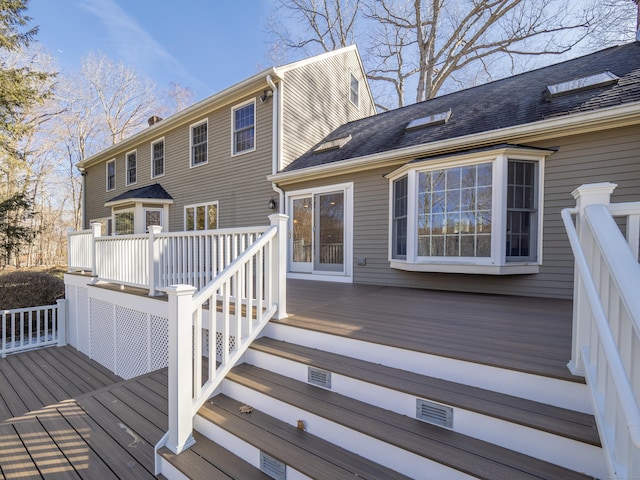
[{"x": 317, "y": 232}]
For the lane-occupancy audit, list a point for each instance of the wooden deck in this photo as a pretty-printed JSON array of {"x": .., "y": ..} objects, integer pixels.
[
  {"x": 527, "y": 334},
  {"x": 83, "y": 422}
]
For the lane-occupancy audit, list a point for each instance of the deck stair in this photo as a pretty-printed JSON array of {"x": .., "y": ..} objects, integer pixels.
[{"x": 364, "y": 424}]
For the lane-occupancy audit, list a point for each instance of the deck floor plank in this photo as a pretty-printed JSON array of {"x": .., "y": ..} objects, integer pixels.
[
  {"x": 40, "y": 388},
  {"x": 11, "y": 392},
  {"x": 15, "y": 461}
]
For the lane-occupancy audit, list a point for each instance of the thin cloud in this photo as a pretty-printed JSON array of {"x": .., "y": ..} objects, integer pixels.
[{"x": 134, "y": 44}]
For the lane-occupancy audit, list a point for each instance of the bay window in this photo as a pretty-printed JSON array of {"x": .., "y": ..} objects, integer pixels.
[{"x": 471, "y": 213}]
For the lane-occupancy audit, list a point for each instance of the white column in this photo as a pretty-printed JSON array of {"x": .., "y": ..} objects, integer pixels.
[
  {"x": 585, "y": 195},
  {"x": 279, "y": 280},
  {"x": 62, "y": 322},
  {"x": 96, "y": 231},
  {"x": 180, "y": 368},
  {"x": 154, "y": 259}
]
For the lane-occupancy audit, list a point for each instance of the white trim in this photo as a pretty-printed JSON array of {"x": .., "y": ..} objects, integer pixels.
[
  {"x": 497, "y": 263},
  {"x": 126, "y": 167},
  {"x": 115, "y": 181},
  {"x": 191, "y": 127},
  {"x": 347, "y": 274},
  {"x": 195, "y": 206},
  {"x": 233, "y": 127},
  {"x": 125, "y": 201},
  {"x": 164, "y": 157}
]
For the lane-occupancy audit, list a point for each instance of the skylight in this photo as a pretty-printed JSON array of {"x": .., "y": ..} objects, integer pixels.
[
  {"x": 429, "y": 120},
  {"x": 582, "y": 83},
  {"x": 332, "y": 144}
]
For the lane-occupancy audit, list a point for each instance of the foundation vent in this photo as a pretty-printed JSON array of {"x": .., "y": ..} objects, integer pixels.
[
  {"x": 434, "y": 413},
  {"x": 272, "y": 467},
  {"x": 319, "y": 377}
]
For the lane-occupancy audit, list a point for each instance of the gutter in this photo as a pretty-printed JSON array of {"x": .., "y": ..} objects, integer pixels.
[{"x": 610, "y": 117}]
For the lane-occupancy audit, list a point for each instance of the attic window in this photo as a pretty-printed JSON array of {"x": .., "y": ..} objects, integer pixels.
[
  {"x": 582, "y": 83},
  {"x": 332, "y": 144},
  {"x": 429, "y": 120}
]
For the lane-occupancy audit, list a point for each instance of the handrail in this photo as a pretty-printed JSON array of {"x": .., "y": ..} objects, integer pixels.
[
  {"x": 622, "y": 384},
  {"x": 210, "y": 291}
]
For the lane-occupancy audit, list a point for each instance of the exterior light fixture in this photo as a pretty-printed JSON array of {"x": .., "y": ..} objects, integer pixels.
[{"x": 273, "y": 204}]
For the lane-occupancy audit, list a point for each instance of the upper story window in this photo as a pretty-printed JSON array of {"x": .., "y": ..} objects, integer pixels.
[
  {"x": 132, "y": 167},
  {"x": 354, "y": 90},
  {"x": 157, "y": 158},
  {"x": 201, "y": 217},
  {"x": 199, "y": 143},
  {"x": 244, "y": 132},
  {"x": 111, "y": 175},
  {"x": 471, "y": 214}
]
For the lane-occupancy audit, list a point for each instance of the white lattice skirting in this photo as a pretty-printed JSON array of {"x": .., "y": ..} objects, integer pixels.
[{"x": 127, "y": 334}]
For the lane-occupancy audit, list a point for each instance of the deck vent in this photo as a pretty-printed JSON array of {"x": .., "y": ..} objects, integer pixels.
[
  {"x": 319, "y": 377},
  {"x": 435, "y": 413},
  {"x": 272, "y": 467}
]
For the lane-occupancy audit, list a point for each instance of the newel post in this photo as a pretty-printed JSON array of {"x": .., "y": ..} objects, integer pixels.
[
  {"x": 585, "y": 196},
  {"x": 279, "y": 269},
  {"x": 180, "y": 367},
  {"x": 62, "y": 322},
  {"x": 96, "y": 231},
  {"x": 154, "y": 259}
]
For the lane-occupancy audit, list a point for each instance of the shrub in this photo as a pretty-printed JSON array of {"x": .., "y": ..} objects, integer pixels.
[{"x": 20, "y": 289}]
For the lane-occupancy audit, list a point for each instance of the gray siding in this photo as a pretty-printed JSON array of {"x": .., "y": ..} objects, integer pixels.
[
  {"x": 612, "y": 156},
  {"x": 316, "y": 102},
  {"x": 238, "y": 182}
]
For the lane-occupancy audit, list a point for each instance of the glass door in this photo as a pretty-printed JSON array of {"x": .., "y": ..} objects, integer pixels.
[
  {"x": 317, "y": 233},
  {"x": 301, "y": 234}
]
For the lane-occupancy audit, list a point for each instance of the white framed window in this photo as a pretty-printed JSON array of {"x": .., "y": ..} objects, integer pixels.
[
  {"x": 203, "y": 216},
  {"x": 111, "y": 175},
  {"x": 244, "y": 128},
  {"x": 199, "y": 143},
  {"x": 152, "y": 216},
  {"x": 474, "y": 213},
  {"x": 123, "y": 221},
  {"x": 157, "y": 158},
  {"x": 354, "y": 90},
  {"x": 132, "y": 167},
  {"x": 106, "y": 225}
]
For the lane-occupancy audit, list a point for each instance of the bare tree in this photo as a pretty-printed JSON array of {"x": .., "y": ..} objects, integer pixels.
[
  {"x": 427, "y": 44},
  {"x": 126, "y": 99},
  {"x": 312, "y": 25}
]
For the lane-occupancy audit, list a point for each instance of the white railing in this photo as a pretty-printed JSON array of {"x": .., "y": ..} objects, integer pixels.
[
  {"x": 24, "y": 329},
  {"x": 157, "y": 260},
  {"x": 606, "y": 323},
  {"x": 210, "y": 331}
]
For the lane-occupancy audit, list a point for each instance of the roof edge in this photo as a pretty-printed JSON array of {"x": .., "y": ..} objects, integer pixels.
[{"x": 610, "y": 117}]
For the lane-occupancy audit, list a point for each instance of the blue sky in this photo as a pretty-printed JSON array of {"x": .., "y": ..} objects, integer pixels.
[{"x": 206, "y": 45}]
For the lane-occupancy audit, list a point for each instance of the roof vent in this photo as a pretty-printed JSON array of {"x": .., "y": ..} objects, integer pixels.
[
  {"x": 434, "y": 413},
  {"x": 429, "y": 120},
  {"x": 319, "y": 377},
  {"x": 153, "y": 120},
  {"x": 272, "y": 467},
  {"x": 582, "y": 83},
  {"x": 332, "y": 144}
]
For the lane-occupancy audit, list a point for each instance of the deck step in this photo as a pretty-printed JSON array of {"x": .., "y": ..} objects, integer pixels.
[
  {"x": 547, "y": 418},
  {"x": 373, "y": 431},
  {"x": 300, "y": 450},
  {"x": 206, "y": 459}
]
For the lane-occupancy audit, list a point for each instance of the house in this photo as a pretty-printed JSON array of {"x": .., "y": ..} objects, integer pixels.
[
  {"x": 463, "y": 192},
  {"x": 206, "y": 166},
  {"x": 478, "y": 373}
]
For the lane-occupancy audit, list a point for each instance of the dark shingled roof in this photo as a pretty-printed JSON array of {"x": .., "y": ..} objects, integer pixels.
[
  {"x": 512, "y": 101},
  {"x": 150, "y": 192}
]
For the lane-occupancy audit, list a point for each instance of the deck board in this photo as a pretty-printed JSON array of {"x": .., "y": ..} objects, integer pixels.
[{"x": 527, "y": 334}]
